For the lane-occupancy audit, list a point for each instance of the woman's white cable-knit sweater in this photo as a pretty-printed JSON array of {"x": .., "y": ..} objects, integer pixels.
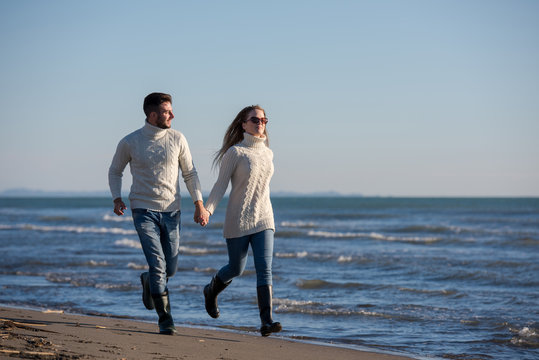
[
  {"x": 249, "y": 167},
  {"x": 155, "y": 157}
]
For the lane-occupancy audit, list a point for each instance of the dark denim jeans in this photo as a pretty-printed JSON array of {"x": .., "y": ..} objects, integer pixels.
[
  {"x": 159, "y": 234},
  {"x": 262, "y": 245}
]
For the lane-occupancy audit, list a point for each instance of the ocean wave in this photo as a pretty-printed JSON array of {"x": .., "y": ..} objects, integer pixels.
[
  {"x": 93, "y": 263},
  {"x": 454, "y": 293},
  {"x": 136, "y": 266},
  {"x": 526, "y": 337},
  {"x": 323, "y": 284},
  {"x": 286, "y": 234},
  {"x": 322, "y": 257},
  {"x": 372, "y": 235},
  {"x": 82, "y": 281},
  {"x": 430, "y": 229},
  {"x": 53, "y": 218},
  {"x": 345, "y": 259},
  {"x": 350, "y": 216},
  {"x": 184, "y": 250},
  {"x": 116, "y": 218},
  {"x": 187, "y": 250},
  {"x": 117, "y": 287},
  {"x": 292, "y": 255},
  {"x": 75, "y": 229},
  {"x": 311, "y": 256},
  {"x": 20, "y": 273},
  {"x": 320, "y": 309},
  {"x": 299, "y": 224},
  {"x": 135, "y": 244}
]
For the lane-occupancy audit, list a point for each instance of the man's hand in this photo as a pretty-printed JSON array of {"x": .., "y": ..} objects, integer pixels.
[
  {"x": 202, "y": 216},
  {"x": 119, "y": 206}
]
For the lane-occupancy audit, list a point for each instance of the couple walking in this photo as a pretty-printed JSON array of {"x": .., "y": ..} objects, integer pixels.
[{"x": 156, "y": 154}]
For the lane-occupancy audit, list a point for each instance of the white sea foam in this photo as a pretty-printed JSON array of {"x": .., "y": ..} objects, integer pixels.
[
  {"x": 116, "y": 218},
  {"x": 97, "y": 263},
  {"x": 372, "y": 235},
  {"x": 314, "y": 308},
  {"x": 75, "y": 229},
  {"x": 204, "y": 270},
  {"x": 298, "y": 224},
  {"x": 136, "y": 266},
  {"x": 526, "y": 337},
  {"x": 128, "y": 243},
  {"x": 195, "y": 251},
  {"x": 290, "y": 302},
  {"x": 527, "y": 332},
  {"x": 299, "y": 254},
  {"x": 183, "y": 249},
  {"x": 344, "y": 259}
]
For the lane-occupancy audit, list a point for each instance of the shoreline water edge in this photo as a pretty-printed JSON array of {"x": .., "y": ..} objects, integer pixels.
[{"x": 451, "y": 278}]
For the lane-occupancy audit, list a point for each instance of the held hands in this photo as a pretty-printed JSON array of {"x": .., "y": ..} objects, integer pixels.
[
  {"x": 202, "y": 216},
  {"x": 119, "y": 206}
]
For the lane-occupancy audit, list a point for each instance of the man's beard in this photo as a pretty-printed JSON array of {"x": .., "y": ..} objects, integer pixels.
[{"x": 162, "y": 123}]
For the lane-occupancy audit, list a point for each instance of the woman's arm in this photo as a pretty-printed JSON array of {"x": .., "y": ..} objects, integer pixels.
[{"x": 228, "y": 165}]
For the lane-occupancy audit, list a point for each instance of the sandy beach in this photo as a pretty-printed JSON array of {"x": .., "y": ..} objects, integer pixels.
[{"x": 55, "y": 335}]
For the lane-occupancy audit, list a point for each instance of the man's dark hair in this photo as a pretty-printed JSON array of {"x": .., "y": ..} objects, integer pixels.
[{"x": 152, "y": 102}]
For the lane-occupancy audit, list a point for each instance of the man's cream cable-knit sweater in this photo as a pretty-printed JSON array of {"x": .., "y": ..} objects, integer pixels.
[
  {"x": 249, "y": 167},
  {"x": 155, "y": 156}
]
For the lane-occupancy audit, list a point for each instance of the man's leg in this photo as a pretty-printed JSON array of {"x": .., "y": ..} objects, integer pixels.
[
  {"x": 149, "y": 229},
  {"x": 147, "y": 224},
  {"x": 170, "y": 241}
]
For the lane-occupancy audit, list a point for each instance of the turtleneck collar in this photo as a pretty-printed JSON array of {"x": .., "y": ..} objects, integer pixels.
[
  {"x": 153, "y": 132},
  {"x": 253, "y": 141}
]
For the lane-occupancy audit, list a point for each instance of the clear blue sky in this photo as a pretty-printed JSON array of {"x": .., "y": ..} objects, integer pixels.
[{"x": 414, "y": 98}]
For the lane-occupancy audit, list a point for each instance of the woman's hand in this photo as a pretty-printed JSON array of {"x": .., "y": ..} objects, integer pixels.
[{"x": 202, "y": 216}]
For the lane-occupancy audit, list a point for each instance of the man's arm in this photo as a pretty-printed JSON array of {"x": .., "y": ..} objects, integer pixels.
[
  {"x": 119, "y": 162},
  {"x": 190, "y": 177}
]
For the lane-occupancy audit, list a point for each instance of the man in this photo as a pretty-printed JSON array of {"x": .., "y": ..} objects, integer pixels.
[{"x": 155, "y": 154}]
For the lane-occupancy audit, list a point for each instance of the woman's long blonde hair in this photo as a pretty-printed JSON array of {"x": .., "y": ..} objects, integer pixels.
[{"x": 234, "y": 133}]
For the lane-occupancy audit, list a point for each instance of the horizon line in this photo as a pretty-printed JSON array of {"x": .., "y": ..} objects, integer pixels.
[{"x": 28, "y": 193}]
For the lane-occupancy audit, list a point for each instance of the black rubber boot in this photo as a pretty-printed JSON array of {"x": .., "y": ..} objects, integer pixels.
[
  {"x": 210, "y": 295},
  {"x": 162, "y": 307},
  {"x": 264, "y": 294},
  {"x": 146, "y": 295}
]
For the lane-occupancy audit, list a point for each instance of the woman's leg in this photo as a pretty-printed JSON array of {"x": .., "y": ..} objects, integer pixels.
[
  {"x": 262, "y": 245},
  {"x": 237, "y": 258}
]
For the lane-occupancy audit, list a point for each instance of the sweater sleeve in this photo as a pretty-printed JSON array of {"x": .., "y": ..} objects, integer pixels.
[
  {"x": 189, "y": 172},
  {"x": 119, "y": 162},
  {"x": 228, "y": 165}
]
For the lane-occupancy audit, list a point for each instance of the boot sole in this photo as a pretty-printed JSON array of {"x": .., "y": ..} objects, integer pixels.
[{"x": 168, "y": 332}]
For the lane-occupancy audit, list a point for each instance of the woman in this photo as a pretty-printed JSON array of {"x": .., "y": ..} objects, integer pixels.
[{"x": 247, "y": 162}]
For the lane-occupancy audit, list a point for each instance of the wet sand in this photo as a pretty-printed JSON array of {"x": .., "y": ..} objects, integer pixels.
[{"x": 55, "y": 335}]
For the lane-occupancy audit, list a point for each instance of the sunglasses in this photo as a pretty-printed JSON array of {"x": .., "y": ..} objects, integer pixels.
[{"x": 256, "y": 120}]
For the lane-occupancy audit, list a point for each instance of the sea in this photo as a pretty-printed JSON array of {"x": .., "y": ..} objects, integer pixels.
[{"x": 430, "y": 278}]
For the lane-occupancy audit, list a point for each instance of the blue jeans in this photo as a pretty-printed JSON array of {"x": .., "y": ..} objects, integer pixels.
[
  {"x": 262, "y": 245},
  {"x": 159, "y": 234}
]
